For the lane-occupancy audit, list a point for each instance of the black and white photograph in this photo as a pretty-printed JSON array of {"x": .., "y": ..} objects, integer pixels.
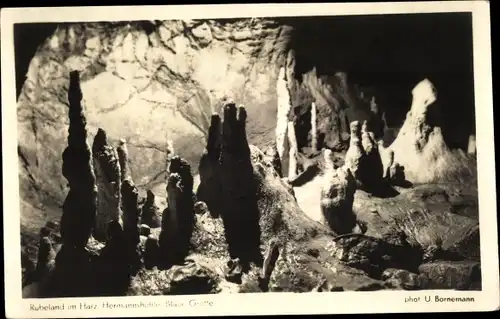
[{"x": 248, "y": 155}]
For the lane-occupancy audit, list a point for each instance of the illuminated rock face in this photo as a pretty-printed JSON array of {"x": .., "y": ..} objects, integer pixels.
[{"x": 108, "y": 178}]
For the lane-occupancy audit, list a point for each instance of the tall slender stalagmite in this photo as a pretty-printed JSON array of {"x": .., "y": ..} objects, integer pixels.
[
  {"x": 284, "y": 107},
  {"x": 314, "y": 129},
  {"x": 79, "y": 208},
  {"x": 122, "y": 151},
  {"x": 108, "y": 177}
]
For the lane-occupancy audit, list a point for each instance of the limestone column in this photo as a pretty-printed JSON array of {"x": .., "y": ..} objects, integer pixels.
[{"x": 314, "y": 129}]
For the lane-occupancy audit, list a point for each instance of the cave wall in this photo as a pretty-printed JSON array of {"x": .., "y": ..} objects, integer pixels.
[{"x": 150, "y": 81}]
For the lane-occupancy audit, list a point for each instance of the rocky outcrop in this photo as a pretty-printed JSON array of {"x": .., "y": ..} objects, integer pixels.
[
  {"x": 420, "y": 146},
  {"x": 160, "y": 70},
  {"x": 108, "y": 179}
]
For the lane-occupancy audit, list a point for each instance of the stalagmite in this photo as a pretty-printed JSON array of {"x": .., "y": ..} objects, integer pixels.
[
  {"x": 122, "y": 151},
  {"x": 239, "y": 211},
  {"x": 273, "y": 157},
  {"x": 328, "y": 158},
  {"x": 293, "y": 151},
  {"x": 79, "y": 208},
  {"x": 337, "y": 197},
  {"x": 420, "y": 146},
  {"x": 355, "y": 154},
  {"x": 373, "y": 169},
  {"x": 284, "y": 107},
  {"x": 108, "y": 178},
  {"x": 178, "y": 218},
  {"x": 471, "y": 147},
  {"x": 314, "y": 129}
]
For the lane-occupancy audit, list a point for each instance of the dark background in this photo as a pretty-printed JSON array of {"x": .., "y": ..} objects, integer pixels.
[{"x": 391, "y": 53}]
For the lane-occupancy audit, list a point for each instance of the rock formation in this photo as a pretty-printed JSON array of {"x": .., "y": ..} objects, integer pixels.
[
  {"x": 131, "y": 214},
  {"x": 115, "y": 260},
  {"x": 122, "y": 152},
  {"x": 284, "y": 108},
  {"x": 209, "y": 189},
  {"x": 273, "y": 157},
  {"x": 355, "y": 156},
  {"x": 420, "y": 146},
  {"x": 151, "y": 214},
  {"x": 79, "y": 209},
  {"x": 270, "y": 259},
  {"x": 151, "y": 252},
  {"x": 373, "y": 169},
  {"x": 471, "y": 147},
  {"x": 46, "y": 256},
  {"x": 314, "y": 128},
  {"x": 337, "y": 197},
  {"x": 239, "y": 209},
  {"x": 293, "y": 151},
  {"x": 108, "y": 178},
  {"x": 178, "y": 218}
]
